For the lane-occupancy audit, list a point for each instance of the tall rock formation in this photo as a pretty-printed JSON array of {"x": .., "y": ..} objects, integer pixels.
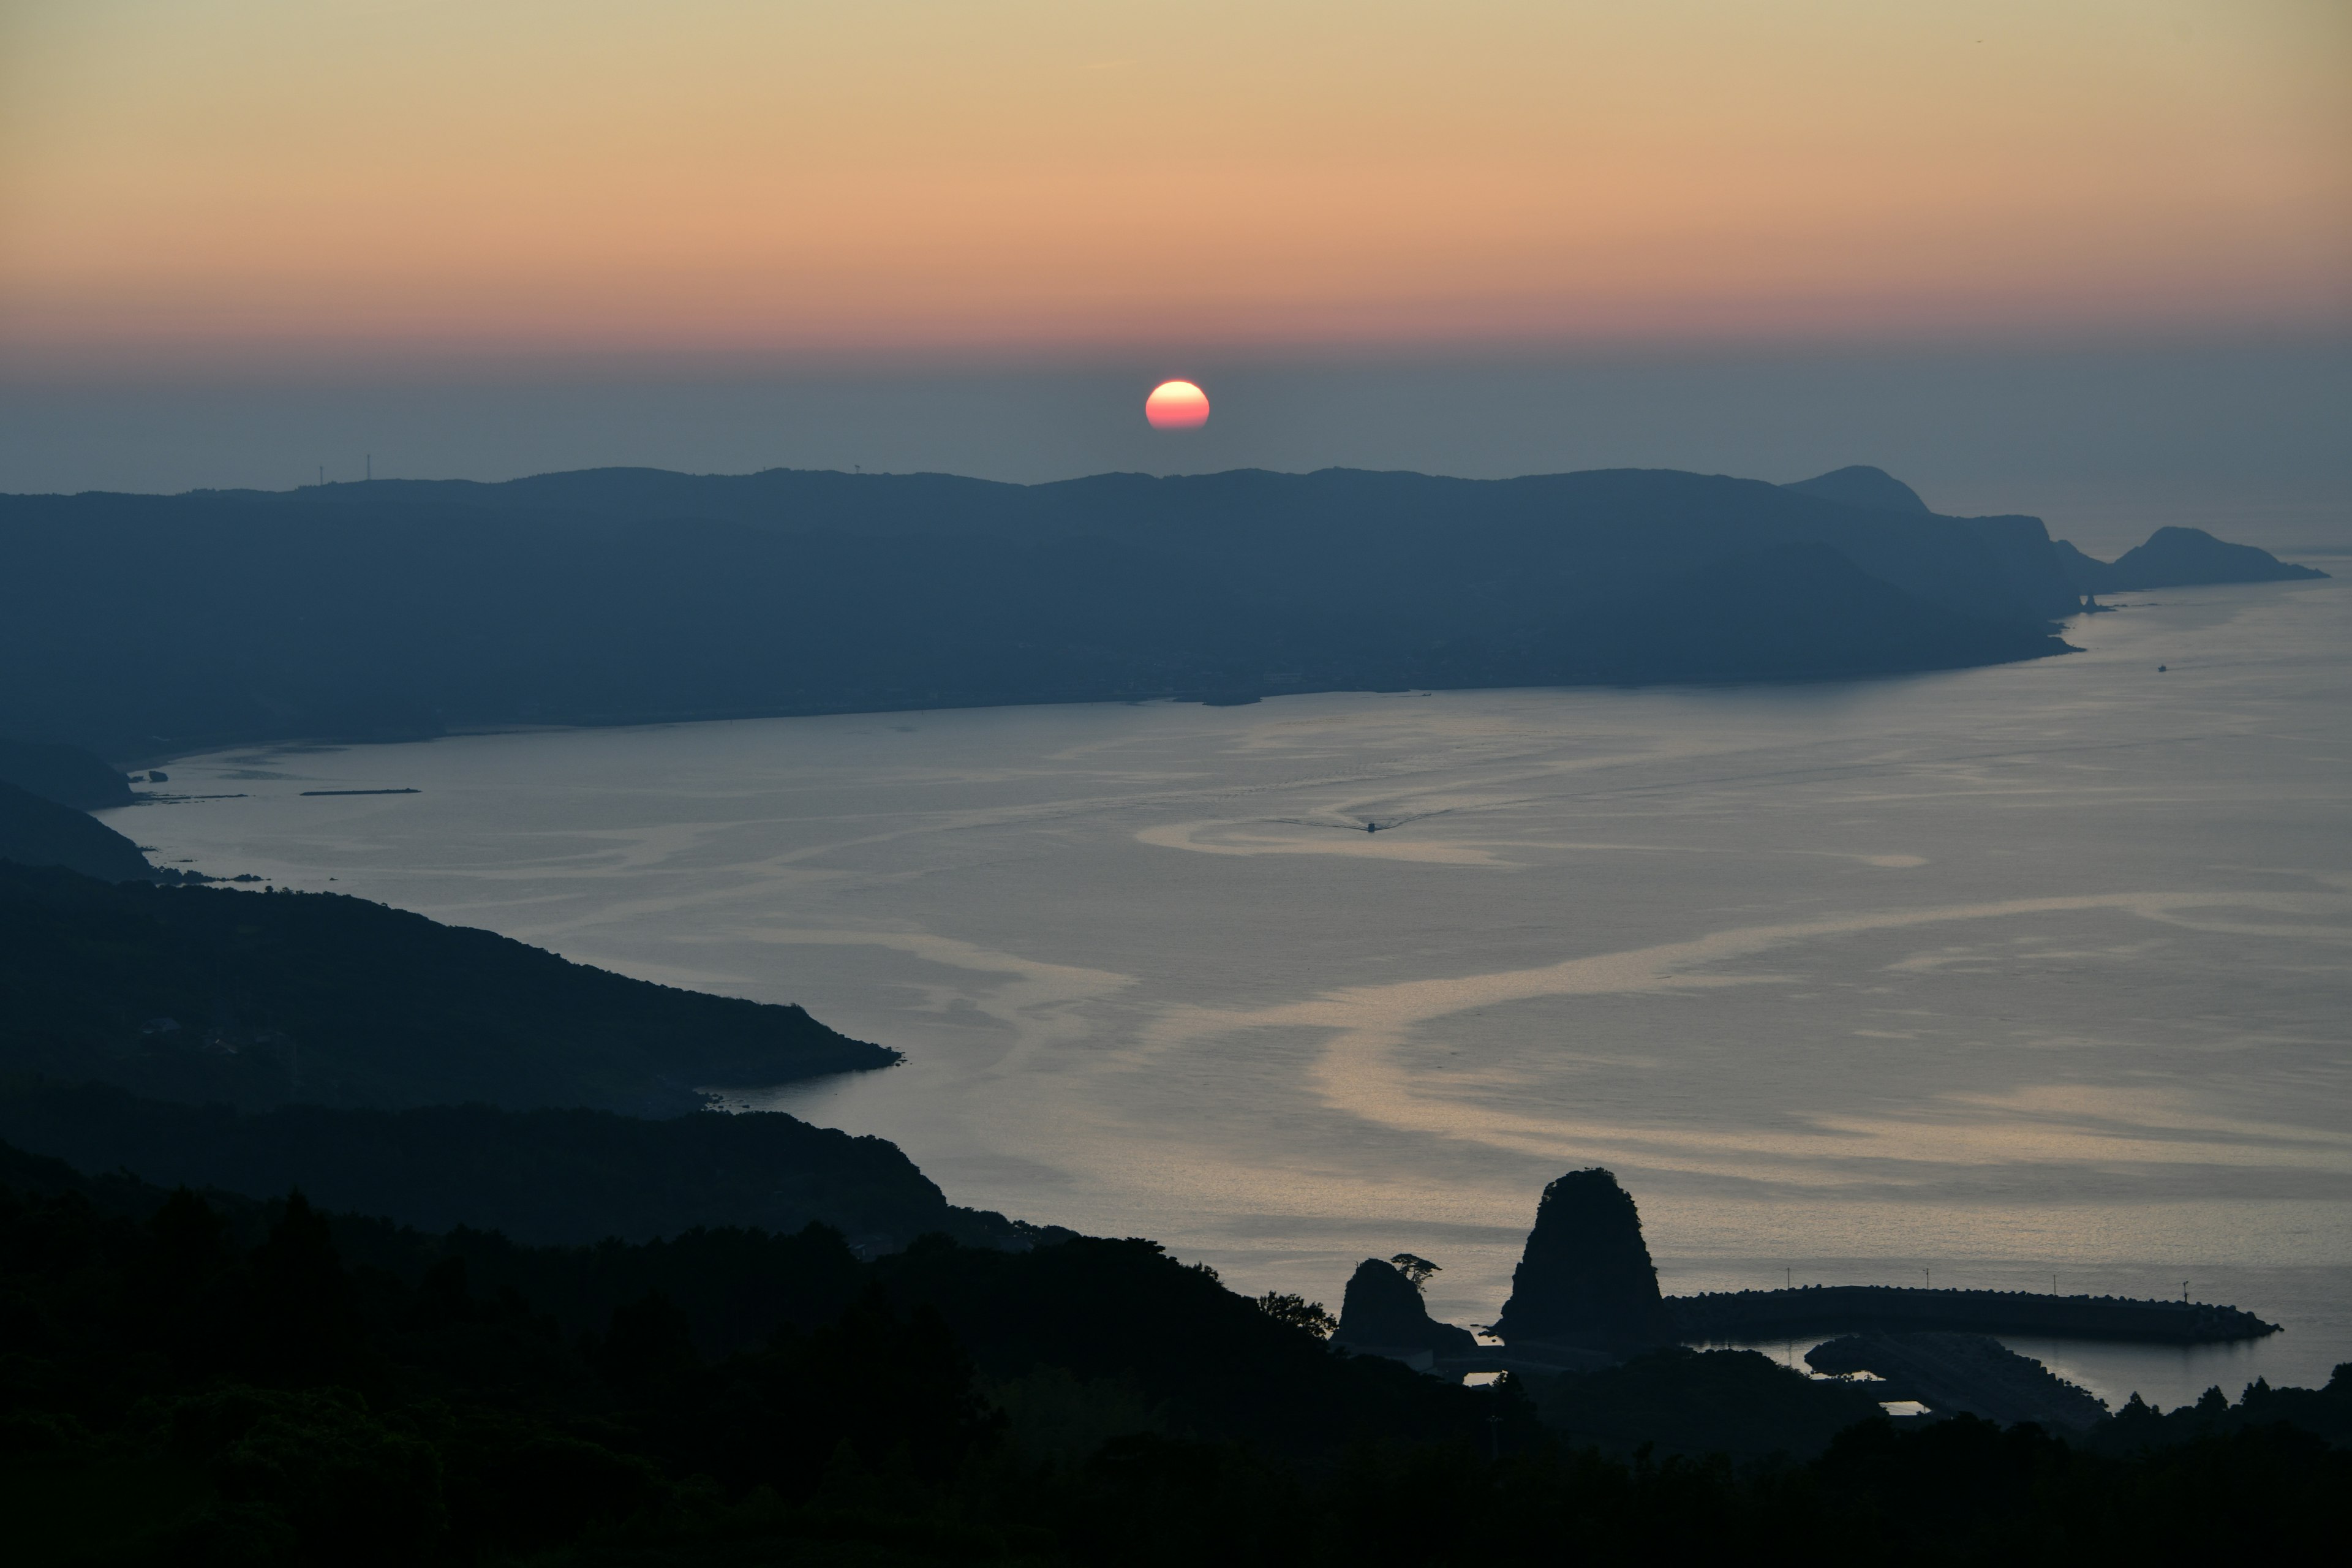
[
  {"x": 1383, "y": 1311},
  {"x": 1586, "y": 1278}
]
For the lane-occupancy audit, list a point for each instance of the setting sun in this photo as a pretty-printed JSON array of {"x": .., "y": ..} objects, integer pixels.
[{"x": 1176, "y": 406}]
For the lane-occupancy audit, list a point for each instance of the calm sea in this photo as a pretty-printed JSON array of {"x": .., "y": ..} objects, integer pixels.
[{"x": 1998, "y": 977}]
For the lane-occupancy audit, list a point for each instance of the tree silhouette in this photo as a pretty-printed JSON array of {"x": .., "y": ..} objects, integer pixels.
[
  {"x": 1416, "y": 1270},
  {"x": 1298, "y": 1312}
]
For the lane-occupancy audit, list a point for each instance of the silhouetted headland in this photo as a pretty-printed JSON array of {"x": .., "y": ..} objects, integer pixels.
[
  {"x": 397, "y": 609},
  {"x": 2177, "y": 558},
  {"x": 625, "y": 595},
  {"x": 272, "y": 999}
]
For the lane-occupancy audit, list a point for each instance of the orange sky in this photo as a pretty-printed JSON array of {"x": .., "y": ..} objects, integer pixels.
[{"x": 258, "y": 180}]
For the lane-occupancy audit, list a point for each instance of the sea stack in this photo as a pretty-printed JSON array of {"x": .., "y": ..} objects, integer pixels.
[
  {"x": 1586, "y": 1278},
  {"x": 1382, "y": 1313}
]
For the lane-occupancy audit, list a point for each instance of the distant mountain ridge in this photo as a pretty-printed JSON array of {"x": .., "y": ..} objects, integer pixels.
[{"x": 399, "y": 609}]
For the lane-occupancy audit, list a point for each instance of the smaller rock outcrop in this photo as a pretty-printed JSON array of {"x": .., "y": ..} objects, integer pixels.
[
  {"x": 1586, "y": 1278},
  {"x": 1383, "y": 1313}
]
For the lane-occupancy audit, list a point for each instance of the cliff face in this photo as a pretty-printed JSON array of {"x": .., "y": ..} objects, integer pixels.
[
  {"x": 1382, "y": 1311},
  {"x": 1586, "y": 1276}
]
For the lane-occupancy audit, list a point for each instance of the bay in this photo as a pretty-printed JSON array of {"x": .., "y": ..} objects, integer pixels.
[{"x": 1988, "y": 976}]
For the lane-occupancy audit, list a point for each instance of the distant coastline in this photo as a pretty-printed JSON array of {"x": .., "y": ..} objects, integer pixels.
[{"x": 631, "y": 596}]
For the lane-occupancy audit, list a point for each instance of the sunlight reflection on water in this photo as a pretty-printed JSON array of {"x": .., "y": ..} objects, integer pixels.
[{"x": 1995, "y": 973}]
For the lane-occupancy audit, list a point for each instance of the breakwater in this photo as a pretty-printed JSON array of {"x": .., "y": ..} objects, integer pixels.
[{"x": 1751, "y": 1315}]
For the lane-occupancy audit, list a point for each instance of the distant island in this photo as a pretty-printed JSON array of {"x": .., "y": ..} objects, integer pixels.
[{"x": 402, "y": 609}]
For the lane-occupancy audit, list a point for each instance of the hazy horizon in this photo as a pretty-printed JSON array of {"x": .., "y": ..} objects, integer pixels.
[
  {"x": 2082, "y": 261},
  {"x": 2105, "y": 442}
]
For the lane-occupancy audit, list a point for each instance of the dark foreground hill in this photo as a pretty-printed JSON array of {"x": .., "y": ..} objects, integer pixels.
[
  {"x": 197, "y": 1382},
  {"x": 397, "y": 609},
  {"x": 38, "y": 831},
  {"x": 268, "y": 998},
  {"x": 544, "y": 1176}
]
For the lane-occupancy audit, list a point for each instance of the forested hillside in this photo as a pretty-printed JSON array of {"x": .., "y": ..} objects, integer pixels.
[{"x": 197, "y": 1382}]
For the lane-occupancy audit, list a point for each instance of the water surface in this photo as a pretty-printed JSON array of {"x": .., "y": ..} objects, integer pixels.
[{"x": 1999, "y": 974}]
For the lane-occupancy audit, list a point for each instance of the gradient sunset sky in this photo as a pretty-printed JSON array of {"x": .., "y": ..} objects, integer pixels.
[{"x": 344, "y": 188}]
